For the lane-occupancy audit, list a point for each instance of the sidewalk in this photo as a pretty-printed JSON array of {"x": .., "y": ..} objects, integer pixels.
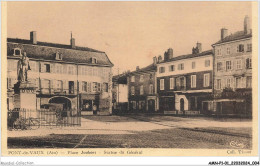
[{"x": 92, "y": 127}]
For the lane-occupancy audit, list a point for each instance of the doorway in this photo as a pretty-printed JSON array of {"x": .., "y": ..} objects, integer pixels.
[{"x": 182, "y": 104}]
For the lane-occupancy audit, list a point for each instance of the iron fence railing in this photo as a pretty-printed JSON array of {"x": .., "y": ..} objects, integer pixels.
[{"x": 32, "y": 119}]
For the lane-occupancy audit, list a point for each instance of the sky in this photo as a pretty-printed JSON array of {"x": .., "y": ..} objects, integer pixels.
[{"x": 131, "y": 33}]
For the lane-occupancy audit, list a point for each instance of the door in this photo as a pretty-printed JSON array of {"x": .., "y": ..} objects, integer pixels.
[
  {"x": 182, "y": 104},
  {"x": 71, "y": 87},
  {"x": 151, "y": 105}
]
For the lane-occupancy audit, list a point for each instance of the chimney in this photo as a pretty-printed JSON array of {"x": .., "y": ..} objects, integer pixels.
[
  {"x": 33, "y": 38},
  {"x": 154, "y": 60},
  {"x": 199, "y": 47},
  {"x": 246, "y": 25},
  {"x": 137, "y": 68},
  {"x": 159, "y": 58},
  {"x": 166, "y": 56},
  {"x": 224, "y": 33},
  {"x": 72, "y": 42},
  {"x": 170, "y": 53}
]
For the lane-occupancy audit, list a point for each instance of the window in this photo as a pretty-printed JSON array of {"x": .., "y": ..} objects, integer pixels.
[
  {"x": 240, "y": 48},
  {"x": 249, "y": 82},
  {"x": 89, "y": 71},
  {"x": 207, "y": 63},
  {"x": 47, "y": 68},
  {"x": 181, "y": 66},
  {"x": 172, "y": 83},
  {"x": 58, "y": 68},
  {"x": 206, "y": 80},
  {"x": 71, "y": 70},
  {"x": 141, "y": 78},
  {"x": 238, "y": 82},
  {"x": 228, "y": 65},
  {"x": 151, "y": 89},
  {"x": 239, "y": 64},
  {"x": 161, "y": 70},
  {"x": 17, "y": 52},
  {"x": 95, "y": 87},
  {"x": 249, "y": 63},
  {"x": 132, "y": 90},
  {"x": 84, "y": 86},
  {"x": 193, "y": 81},
  {"x": 134, "y": 104},
  {"x": 171, "y": 68},
  {"x": 228, "y": 82},
  {"x": 219, "y": 66},
  {"x": 218, "y": 83},
  {"x": 58, "y": 56},
  {"x": 45, "y": 84},
  {"x": 193, "y": 65},
  {"x": 219, "y": 51},
  {"x": 141, "y": 90},
  {"x": 183, "y": 82},
  {"x": 105, "y": 87},
  {"x": 93, "y": 60},
  {"x": 132, "y": 78},
  {"x": 228, "y": 50},
  {"x": 95, "y": 71},
  {"x": 161, "y": 84},
  {"x": 33, "y": 66},
  {"x": 249, "y": 47},
  {"x": 59, "y": 85}
]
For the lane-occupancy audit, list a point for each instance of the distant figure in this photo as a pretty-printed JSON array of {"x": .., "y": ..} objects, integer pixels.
[
  {"x": 94, "y": 109},
  {"x": 22, "y": 68}
]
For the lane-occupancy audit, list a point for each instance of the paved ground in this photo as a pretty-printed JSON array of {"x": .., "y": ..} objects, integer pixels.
[{"x": 139, "y": 131}]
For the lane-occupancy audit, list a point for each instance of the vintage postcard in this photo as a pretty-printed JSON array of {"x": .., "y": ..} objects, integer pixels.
[{"x": 129, "y": 78}]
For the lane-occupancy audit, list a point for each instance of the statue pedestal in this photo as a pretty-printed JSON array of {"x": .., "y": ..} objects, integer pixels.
[{"x": 25, "y": 99}]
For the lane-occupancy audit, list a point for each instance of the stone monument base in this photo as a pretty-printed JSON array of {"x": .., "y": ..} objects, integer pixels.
[{"x": 25, "y": 98}]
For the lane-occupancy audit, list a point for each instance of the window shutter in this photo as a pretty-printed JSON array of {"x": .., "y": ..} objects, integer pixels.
[
  {"x": 52, "y": 68},
  {"x": 247, "y": 63},
  {"x": 51, "y": 84},
  {"x": 65, "y": 85}
]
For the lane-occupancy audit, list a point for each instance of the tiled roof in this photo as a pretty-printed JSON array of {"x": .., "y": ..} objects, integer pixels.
[
  {"x": 204, "y": 53},
  {"x": 236, "y": 36},
  {"x": 121, "y": 78},
  {"x": 149, "y": 68},
  {"x": 47, "y": 51}
]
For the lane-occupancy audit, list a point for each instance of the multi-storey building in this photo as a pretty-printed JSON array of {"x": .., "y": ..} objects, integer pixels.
[
  {"x": 120, "y": 93},
  {"x": 233, "y": 72},
  {"x": 76, "y": 77},
  {"x": 183, "y": 82},
  {"x": 142, "y": 96}
]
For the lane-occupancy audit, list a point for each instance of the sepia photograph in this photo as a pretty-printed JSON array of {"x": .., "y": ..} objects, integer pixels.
[{"x": 129, "y": 78}]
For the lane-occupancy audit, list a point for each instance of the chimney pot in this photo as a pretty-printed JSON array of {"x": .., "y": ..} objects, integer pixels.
[
  {"x": 154, "y": 60},
  {"x": 199, "y": 47},
  {"x": 137, "y": 68},
  {"x": 246, "y": 25},
  {"x": 224, "y": 33},
  {"x": 159, "y": 58},
  {"x": 33, "y": 38}
]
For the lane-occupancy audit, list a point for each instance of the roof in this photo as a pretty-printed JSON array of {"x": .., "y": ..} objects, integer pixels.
[
  {"x": 149, "y": 68},
  {"x": 204, "y": 53},
  {"x": 47, "y": 51},
  {"x": 236, "y": 36},
  {"x": 121, "y": 78}
]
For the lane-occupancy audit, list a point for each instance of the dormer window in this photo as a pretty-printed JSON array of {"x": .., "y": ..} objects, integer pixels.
[
  {"x": 93, "y": 60},
  {"x": 58, "y": 56},
  {"x": 17, "y": 52}
]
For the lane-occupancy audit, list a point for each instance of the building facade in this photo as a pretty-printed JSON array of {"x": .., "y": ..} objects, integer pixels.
[
  {"x": 142, "y": 96},
  {"x": 76, "y": 77},
  {"x": 233, "y": 72},
  {"x": 183, "y": 82}
]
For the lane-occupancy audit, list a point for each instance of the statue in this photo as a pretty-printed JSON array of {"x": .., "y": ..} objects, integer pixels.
[{"x": 22, "y": 68}]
